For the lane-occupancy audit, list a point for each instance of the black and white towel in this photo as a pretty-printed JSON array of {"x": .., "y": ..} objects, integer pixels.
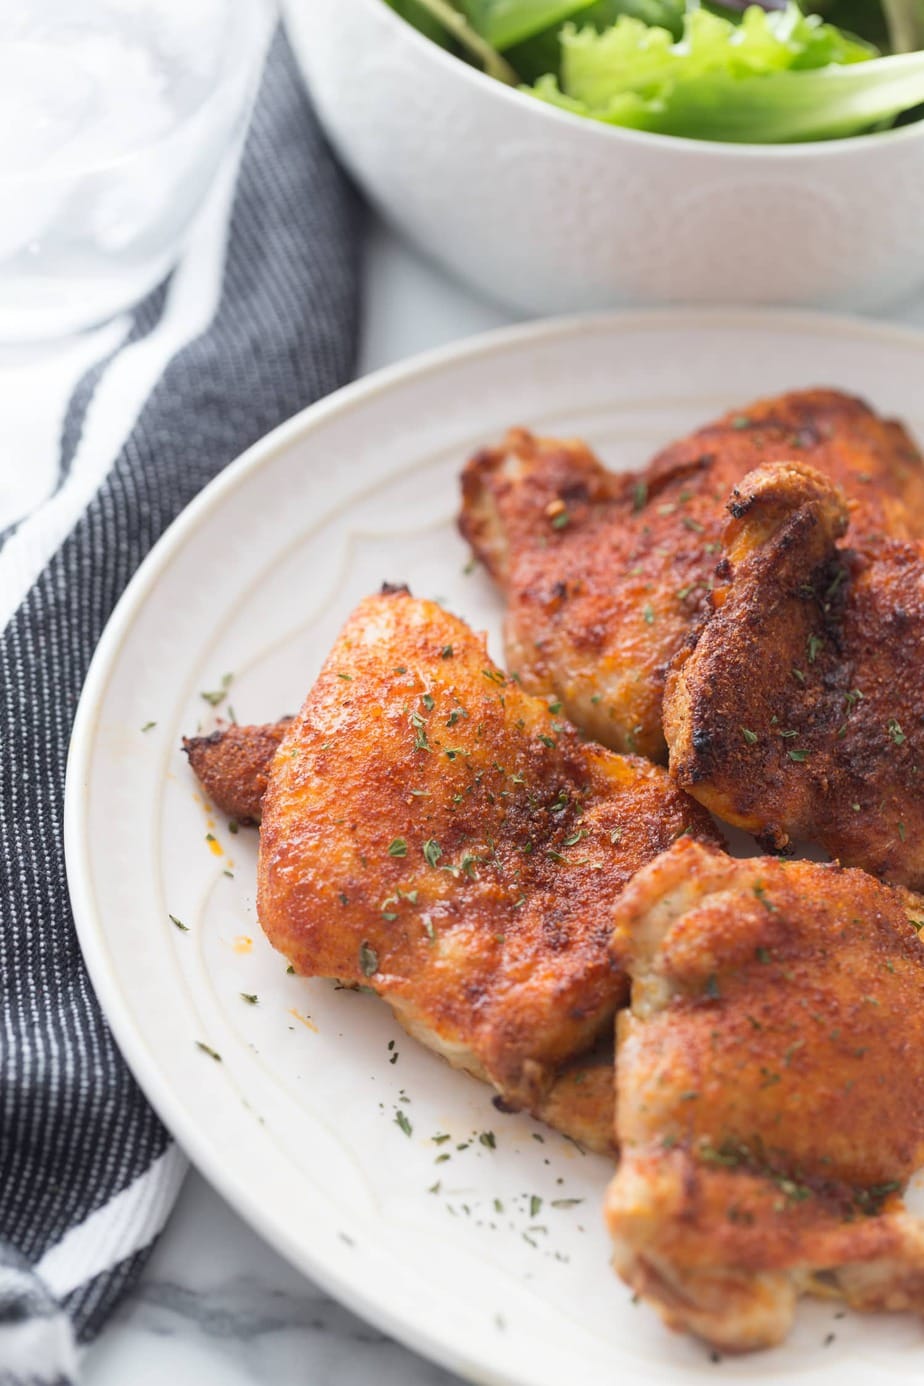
[{"x": 258, "y": 320}]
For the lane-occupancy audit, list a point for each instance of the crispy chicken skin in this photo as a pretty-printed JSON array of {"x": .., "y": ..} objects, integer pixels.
[
  {"x": 436, "y": 834},
  {"x": 604, "y": 574},
  {"x": 770, "y": 1092},
  {"x": 798, "y": 713},
  {"x": 581, "y": 1100},
  {"x": 233, "y": 764}
]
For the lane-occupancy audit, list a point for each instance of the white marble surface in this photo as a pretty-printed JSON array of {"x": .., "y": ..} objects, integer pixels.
[{"x": 216, "y": 1306}]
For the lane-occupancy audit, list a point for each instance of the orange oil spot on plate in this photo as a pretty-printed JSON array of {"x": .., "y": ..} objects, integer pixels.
[
  {"x": 243, "y": 943},
  {"x": 305, "y": 1020}
]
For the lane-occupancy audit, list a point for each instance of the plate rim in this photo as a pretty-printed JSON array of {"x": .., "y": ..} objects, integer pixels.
[{"x": 138, "y": 1053}]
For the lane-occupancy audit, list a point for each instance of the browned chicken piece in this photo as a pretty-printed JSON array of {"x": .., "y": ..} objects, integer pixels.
[
  {"x": 770, "y": 1092},
  {"x": 434, "y": 833},
  {"x": 581, "y": 1100},
  {"x": 604, "y": 574},
  {"x": 799, "y": 711},
  {"x": 232, "y": 765}
]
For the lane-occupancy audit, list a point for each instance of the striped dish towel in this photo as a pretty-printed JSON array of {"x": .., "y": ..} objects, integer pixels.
[{"x": 114, "y": 434}]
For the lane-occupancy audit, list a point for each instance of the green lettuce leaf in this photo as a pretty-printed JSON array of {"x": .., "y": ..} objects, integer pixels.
[
  {"x": 506, "y": 22},
  {"x": 776, "y": 77},
  {"x": 456, "y": 31},
  {"x": 541, "y": 54},
  {"x": 415, "y": 13}
]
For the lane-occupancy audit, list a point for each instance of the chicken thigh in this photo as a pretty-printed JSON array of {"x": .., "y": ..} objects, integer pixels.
[
  {"x": 770, "y": 1092},
  {"x": 436, "y": 834},
  {"x": 604, "y": 574},
  {"x": 797, "y": 711}
]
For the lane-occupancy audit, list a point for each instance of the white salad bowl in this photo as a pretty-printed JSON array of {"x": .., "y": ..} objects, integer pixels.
[{"x": 551, "y": 213}]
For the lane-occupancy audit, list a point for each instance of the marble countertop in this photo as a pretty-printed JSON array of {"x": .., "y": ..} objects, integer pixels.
[{"x": 216, "y": 1306}]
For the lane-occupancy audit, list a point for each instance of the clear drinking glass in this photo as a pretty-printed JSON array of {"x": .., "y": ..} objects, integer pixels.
[{"x": 115, "y": 116}]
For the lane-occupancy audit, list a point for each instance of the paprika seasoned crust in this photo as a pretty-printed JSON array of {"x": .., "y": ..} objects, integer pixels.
[
  {"x": 797, "y": 711},
  {"x": 604, "y": 574},
  {"x": 770, "y": 1092},
  {"x": 232, "y": 765},
  {"x": 438, "y": 835}
]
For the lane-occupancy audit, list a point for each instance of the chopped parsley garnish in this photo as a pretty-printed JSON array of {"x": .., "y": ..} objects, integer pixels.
[
  {"x": 689, "y": 523},
  {"x": 798, "y": 674},
  {"x": 535, "y": 1204},
  {"x": 420, "y": 733},
  {"x": 741, "y": 421},
  {"x": 368, "y": 960},
  {"x": 815, "y": 643},
  {"x": 749, "y": 736},
  {"x": 250, "y": 997},
  {"x": 218, "y": 695},
  {"x": 402, "y": 1121},
  {"x": 446, "y": 652},
  {"x": 852, "y": 698},
  {"x": 555, "y": 707},
  {"x": 184, "y": 928},
  {"x": 148, "y": 725},
  {"x": 398, "y": 847},
  {"x": 798, "y": 755},
  {"x": 761, "y": 892},
  {"x": 207, "y": 1049},
  {"x": 432, "y": 851},
  {"x": 546, "y": 740},
  {"x": 639, "y": 496},
  {"x": 488, "y": 1138},
  {"x": 233, "y": 826},
  {"x": 763, "y": 955},
  {"x": 561, "y": 521},
  {"x": 648, "y": 613},
  {"x": 427, "y": 700},
  {"x": 894, "y": 729}
]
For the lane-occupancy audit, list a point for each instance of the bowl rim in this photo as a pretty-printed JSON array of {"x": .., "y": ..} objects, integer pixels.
[{"x": 712, "y": 148}]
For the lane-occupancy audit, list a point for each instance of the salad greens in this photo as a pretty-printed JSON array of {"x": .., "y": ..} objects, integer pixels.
[{"x": 703, "y": 69}]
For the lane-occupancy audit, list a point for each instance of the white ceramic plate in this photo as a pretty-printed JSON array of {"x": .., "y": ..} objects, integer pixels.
[{"x": 480, "y": 1260}]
